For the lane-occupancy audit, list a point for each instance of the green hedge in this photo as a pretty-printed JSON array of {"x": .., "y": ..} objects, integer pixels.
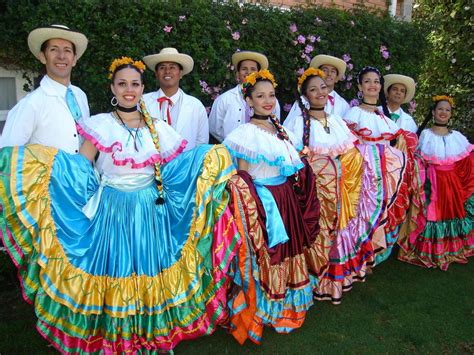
[{"x": 210, "y": 32}]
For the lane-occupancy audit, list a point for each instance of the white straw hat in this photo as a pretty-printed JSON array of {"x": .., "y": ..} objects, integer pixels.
[{"x": 170, "y": 55}]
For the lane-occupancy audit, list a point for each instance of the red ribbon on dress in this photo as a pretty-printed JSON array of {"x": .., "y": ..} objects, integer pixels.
[
  {"x": 163, "y": 99},
  {"x": 331, "y": 99}
]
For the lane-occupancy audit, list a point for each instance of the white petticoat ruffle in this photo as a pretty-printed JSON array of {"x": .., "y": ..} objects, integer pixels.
[
  {"x": 110, "y": 136},
  {"x": 443, "y": 150},
  {"x": 338, "y": 141},
  {"x": 257, "y": 146}
]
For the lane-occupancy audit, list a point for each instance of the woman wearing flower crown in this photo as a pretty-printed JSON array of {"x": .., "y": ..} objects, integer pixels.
[
  {"x": 274, "y": 200},
  {"x": 348, "y": 184},
  {"x": 445, "y": 231},
  {"x": 397, "y": 164},
  {"x": 134, "y": 259}
]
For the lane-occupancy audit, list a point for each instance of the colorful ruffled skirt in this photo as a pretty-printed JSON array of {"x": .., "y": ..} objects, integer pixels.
[
  {"x": 352, "y": 199},
  {"x": 444, "y": 232},
  {"x": 135, "y": 277},
  {"x": 274, "y": 284}
]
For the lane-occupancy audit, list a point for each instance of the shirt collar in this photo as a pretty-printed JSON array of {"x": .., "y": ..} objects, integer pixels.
[
  {"x": 52, "y": 87},
  {"x": 173, "y": 98}
]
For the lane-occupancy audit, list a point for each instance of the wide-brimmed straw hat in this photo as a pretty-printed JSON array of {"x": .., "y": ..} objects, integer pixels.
[
  {"x": 38, "y": 36},
  {"x": 337, "y": 63},
  {"x": 170, "y": 55},
  {"x": 409, "y": 83},
  {"x": 239, "y": 56}
]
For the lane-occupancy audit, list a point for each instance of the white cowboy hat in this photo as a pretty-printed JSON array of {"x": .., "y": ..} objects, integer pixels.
[
  {"x": 409, "y": 83},
  {"x": 337, "y": 63},
  {"x": 38, "y": 36},
  {"x": 261, "y": 59},
  {"x": 170, "y": 55}
]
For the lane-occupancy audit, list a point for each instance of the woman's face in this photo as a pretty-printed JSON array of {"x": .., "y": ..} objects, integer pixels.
[
  {"x": 442, "y": 112},
  {"x": 370, "y": 85},
  {"x": 262, "y": 99},
  {"x": 316, "y": 92},
  {"x": 127, "y": 87}
]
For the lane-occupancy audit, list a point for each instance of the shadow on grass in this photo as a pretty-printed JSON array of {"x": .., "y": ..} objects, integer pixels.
[{"x": 399, "y": 309}]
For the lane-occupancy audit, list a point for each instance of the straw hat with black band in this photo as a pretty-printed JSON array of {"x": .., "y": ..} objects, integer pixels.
[
  {"x": 38, "y": 36},
  {"x": 323, "y": 59},
  {"x": 259, "y": 58},
  {"x": 170, "y": 55},
  {"x": 408, "y": 82}
]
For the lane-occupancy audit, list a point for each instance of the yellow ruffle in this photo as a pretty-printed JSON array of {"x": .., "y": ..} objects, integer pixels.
[{"x": 96, "y": 291}]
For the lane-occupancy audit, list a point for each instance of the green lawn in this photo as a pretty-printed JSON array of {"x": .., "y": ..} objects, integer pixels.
[{"x": 400, "y": 309}]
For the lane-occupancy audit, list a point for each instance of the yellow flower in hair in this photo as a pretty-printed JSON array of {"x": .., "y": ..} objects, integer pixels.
[
  {"x": 444, "y": 98},
  {"x": 310, "y": 72},
  {"x": 125, "y": 60},
  {"x": 261, "y": 74}
]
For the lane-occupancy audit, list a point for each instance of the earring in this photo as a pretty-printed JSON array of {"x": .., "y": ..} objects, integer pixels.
[
  {"x": 360, "y": 95},
  {"x": 114, "y": 101},
  {"x": 251, "y": 111}
]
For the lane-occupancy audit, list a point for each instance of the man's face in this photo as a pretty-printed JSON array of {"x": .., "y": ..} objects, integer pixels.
[
  {"x": 246, "y": 67},
  {"x": 396, "y": 94},
  {"x": 168, "y": 75},
  {"x": 59, "y": 59},
  {"x": 331, "y": 75}
]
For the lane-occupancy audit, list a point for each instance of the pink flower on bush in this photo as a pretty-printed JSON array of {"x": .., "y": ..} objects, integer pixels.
[
  {"x": 354, "y": 102},
  {"x": 318, "y": 39},
  {"x": 412, "y": 107},
  {"x": 182, "y": 18},
  {"x": 350, "y": 66},
  {"x": 236, "y": 35},
  {"x": 346, "y": 57},
  {"x": 317, "y": 20},
  {"x": 311, "y": 38},
  {"x": 168, "y": 29},
  {"x": 300, "y": 71},
  {"x": 352, "y": 23},
  {"x": 388, "y": 67},
  {"x": 348, "y": 85},
  {"x": 245, "y": 21},
  {"x": 301, "y": 39},
  {"x": 384, "y": 51},
  {"x": 294, "y": 42},
  {"x": 308, "y": 49},
  {"x": 287, "y": 107},
  {"x": 293, "y": 28},
  {"x": 348, "y": 77}
]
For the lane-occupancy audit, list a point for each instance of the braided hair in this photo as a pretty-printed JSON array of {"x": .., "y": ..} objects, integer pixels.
[{"x": 382, "y": 98}]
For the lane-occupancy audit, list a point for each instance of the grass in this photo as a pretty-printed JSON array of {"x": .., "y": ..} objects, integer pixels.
[{"x": 400, "y": 309}]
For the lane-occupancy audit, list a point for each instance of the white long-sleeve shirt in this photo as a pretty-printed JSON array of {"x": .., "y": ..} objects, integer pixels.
[
  {"x": 43, "y": 117},
  {"x": 188, "y": 115}
]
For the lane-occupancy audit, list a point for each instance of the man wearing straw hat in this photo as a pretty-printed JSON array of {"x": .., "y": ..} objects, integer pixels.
[
  {"x": 185, "y": 113},
  {"x": 334, "y": 69},
  {"x": 48, "y": 115},
  {"x": 400, "y": 89},
  {"x": 230, "y": 110}
]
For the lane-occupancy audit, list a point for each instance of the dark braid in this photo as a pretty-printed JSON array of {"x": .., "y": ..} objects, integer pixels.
[
  {"x": 427, "y": 119},
  {"x": 306, "y": 122},
  {"x": 281, "y": 133}
]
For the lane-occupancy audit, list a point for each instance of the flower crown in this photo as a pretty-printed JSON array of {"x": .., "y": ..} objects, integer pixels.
[
  {"x": 251, "y": 79},
  {"x": 125, "y": 60},
  {"x": 310, "y": 72},
  {"x": 438, "y": 98}
]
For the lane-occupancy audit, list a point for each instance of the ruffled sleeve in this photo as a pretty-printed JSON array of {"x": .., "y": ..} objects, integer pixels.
[
  {"x": 109, "y": 136},
  {"x": 370, "y": 126},
  {"x": 257, "y": 146},
  {"x": 443, "y": 150}
]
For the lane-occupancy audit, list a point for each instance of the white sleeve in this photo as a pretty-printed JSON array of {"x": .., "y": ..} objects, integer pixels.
[
  {"x": 278, "y": 110},
  {"x": 216, "y": 119},
  {"x": 203, "y": 126},
  {"x": 20, "y": 124}
]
